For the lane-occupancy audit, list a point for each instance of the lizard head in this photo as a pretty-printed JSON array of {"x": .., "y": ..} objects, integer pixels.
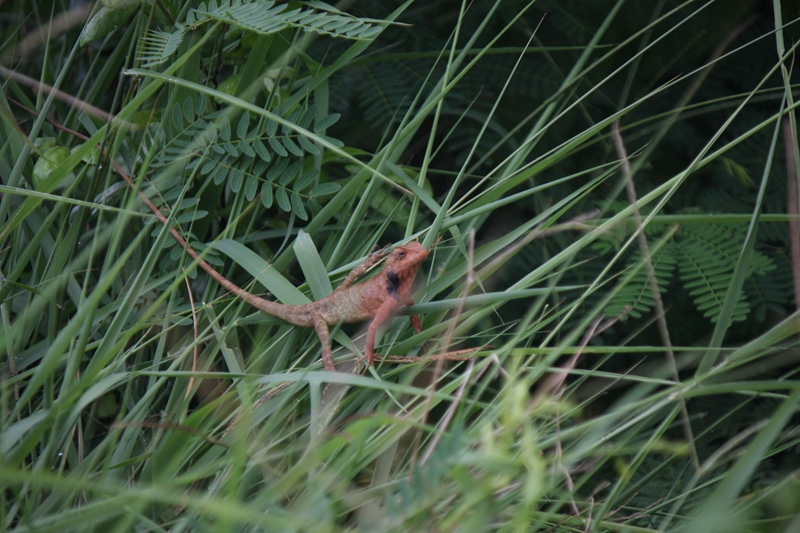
[{"x": 407, "y": 258}]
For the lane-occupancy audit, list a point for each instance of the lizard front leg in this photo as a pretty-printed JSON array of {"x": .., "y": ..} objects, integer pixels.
[
  {"x": 361, "y": 269},
  {"x": 381, "y": 315},
  {"x": 321, "y": 327}
]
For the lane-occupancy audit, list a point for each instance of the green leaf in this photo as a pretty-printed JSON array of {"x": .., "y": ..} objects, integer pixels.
[
  {"x": 306, "y": 180},
  {"x": 270, "y": 278},
  {"x": 298, "y": 207},
  {"x": 283, "y": 199},
  {"x": 277, "y": 147},
  {"x": 326, "y": 122},
  {"x": 290, "y": 173},
  {"x": 14, "y": 432},
  {"x": 313, "y": 206},
  {"x": 260, "y": 167},
  {"x": 336, "y": 24},
  {"x": 266, "y": 194},
  {"x": 157, "y": 46},
  {"x": 177, "y": 117},
  {"x": 292, "y": 147},
  {"x": 47, "y": 163},
  {"x": 308, "y": 146},
  {"x": 244, "y": 124},
  {"x": 105, "y": 21},
  {"x": 208, "y": 166},
  {"x": 277, "y": 169},
  {"x": 261, "y": 150},
  {"x": 191, "y": 216},
  {"x": 335, "y": 142},
  {"x": 220, "y": 174},
  {"x": 308, "y": 117},
  {"x": 186, "y": 203},
  {"x": 244, "y": 147},
  {"x": 231, "y": 149},
  {"x": 313, "y": 269},
  {"x": 200, "y": 104},
  {"x": 250, "y": 188},
  {"x": 236, "y": 177},
  {"x": 188, "y": 109},
  {"x": 225, "y": 128},
  {"x": 366, "y": 33},
  {"x": 293, "y": 117},
  {"x": 325, "y": 189}
]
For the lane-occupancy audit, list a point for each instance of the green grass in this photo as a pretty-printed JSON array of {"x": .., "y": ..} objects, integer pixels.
[{"x": 136, "y": 395}]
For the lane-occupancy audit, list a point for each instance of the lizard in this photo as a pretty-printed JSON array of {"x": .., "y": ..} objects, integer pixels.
[{"x": 374, "y": 299}]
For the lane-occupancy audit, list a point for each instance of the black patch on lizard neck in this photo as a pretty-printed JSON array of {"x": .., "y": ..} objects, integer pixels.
[{"x": 393, "y": 285}]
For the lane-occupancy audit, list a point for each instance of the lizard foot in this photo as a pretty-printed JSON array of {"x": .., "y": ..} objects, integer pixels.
[
  {"x": 379, "y": 254},
  {"x": 358, "y": 364}
]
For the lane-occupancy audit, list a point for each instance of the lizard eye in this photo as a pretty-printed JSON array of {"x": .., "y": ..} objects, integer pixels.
[{"x": 400, "y": 254}]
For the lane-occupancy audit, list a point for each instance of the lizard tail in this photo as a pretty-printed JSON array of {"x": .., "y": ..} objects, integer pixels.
[{"x": 272, "y": 308}]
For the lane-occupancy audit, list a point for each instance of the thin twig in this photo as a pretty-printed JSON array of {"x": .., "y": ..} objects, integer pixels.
[
  {"x": 67, "y": 98},
  {"x": 792, "y": 206},
  {"x": 456, "y": 355},
  {"x": 589, "y": 516},
  {"x": 196, "y": 335},
  {"x": 658, "y": 304},
  {"x": 553, "y": 386}
]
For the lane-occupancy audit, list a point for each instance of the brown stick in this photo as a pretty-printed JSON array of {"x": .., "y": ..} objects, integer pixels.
[
  {"x": 196, "y": 349},
  {"x": 658, "y": 305},
  {"x": 792, "y": 206},
  {"x": 67, "y": 98}
]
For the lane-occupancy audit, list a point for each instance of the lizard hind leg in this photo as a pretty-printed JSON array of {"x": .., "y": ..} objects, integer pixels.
[
  {"x": 417, "y": 325},
  {"x": 321, "y": 327},
  {"x": 415, "y": 322}
]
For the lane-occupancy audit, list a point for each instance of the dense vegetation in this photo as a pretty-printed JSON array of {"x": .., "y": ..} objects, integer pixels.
[{"x": 612, "y": 182}]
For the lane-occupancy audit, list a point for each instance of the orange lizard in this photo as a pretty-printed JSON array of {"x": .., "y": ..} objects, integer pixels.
[{"x": 373, "y": 299}]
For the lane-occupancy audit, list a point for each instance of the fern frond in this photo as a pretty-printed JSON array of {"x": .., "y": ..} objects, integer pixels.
[
  {"x": 267, "y": 17},
  {"x": 637, "y": 296},
  {"x": 708, "y": 257},
  {"x": 773, "y": 292},
  {"x": 248, "y": 155},
  {"x": 157, "y": 46}
]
